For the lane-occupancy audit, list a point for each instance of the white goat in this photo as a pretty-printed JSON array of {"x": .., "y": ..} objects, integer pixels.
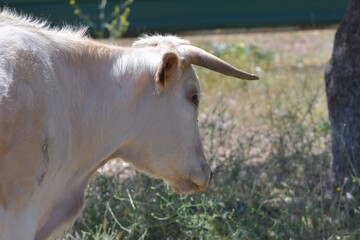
[{"x": 68, "y": 104}]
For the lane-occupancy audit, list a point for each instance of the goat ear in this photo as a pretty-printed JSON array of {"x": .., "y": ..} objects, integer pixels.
[{"x": 167, "y": 69}]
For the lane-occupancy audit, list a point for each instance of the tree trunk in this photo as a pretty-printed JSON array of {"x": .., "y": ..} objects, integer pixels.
[{"x": 342, "y": 77}]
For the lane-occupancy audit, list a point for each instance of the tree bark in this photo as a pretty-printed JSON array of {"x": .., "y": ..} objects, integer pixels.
[{"x": 342, "y": 78}]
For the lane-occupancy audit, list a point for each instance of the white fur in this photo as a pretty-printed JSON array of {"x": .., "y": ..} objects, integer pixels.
[
  {"x": 148, "y": 40},
  {"x": 68, "y": 104}
]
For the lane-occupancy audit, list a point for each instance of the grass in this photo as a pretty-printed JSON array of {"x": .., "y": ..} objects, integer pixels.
[{"x": 268, "y": 144}]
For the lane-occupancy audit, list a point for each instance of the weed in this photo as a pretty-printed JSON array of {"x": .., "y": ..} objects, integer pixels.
[{"x": 113, "y": 24}]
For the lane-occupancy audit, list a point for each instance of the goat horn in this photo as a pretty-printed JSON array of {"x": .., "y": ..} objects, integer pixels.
[{"x": 200, "y": 57}]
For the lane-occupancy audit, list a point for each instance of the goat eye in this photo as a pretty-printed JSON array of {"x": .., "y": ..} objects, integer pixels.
[{"x": 195, "y": 99}]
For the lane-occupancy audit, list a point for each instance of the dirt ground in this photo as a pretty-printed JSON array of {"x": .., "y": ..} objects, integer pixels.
[
  {"x": 299, "y": 41},
  {"x": 314, "y": 41}
]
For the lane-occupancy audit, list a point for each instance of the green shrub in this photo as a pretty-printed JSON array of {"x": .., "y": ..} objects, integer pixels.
[{"x": 113, "y": 24}]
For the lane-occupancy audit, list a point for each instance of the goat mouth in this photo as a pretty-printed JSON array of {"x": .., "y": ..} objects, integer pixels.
[{"x": 186, "y": 186}]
